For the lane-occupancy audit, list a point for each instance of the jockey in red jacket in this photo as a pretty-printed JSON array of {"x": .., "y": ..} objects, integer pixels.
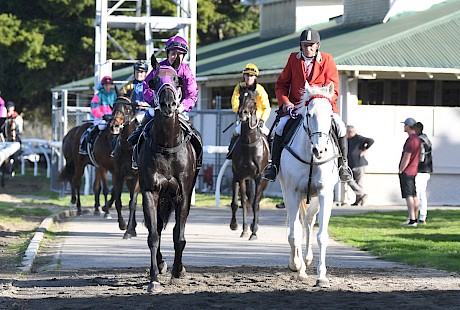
[{"x": 318, "y": 69}]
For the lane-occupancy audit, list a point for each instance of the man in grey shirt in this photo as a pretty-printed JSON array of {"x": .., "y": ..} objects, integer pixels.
[{"x": 357, "y": 147}]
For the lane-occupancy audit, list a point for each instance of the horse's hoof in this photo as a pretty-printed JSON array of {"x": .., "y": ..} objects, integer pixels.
[
  {"x": 253, "y": 237},
  {"x": 105, "y": 209},
  {"x": 122, "y": 225},
  {"x": 97, "y": 213},
  {"x": 79, "y": 213},
  {"x": 244, "y": 234},
  {"x": 107, "y": 216},
  {"x": 178, "y": 274},
  {"x": 127, "y": 236},
  {"x": 302, "y": 276},
  {"x": 323, "y": 283},
  {"x": 154, "y": 287},
  {"x": 308, "y": 262},
  {"x": 233, "y": 225},
  {"x": 292, "y": 267},
  {"x": 163, "y": 267}
]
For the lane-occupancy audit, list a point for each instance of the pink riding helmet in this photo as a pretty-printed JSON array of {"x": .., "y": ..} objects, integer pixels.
[{"x": 177, "y": 43}]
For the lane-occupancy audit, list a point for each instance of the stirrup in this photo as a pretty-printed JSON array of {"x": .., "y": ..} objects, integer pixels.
[
  {"x": 271, "y": 177},
  {"x": 346, "y": 173}
]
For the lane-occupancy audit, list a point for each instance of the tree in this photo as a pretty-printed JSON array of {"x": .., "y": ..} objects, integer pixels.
[
  {"x": 44, "y": 43},
  {"x": 224, "y": 19}
]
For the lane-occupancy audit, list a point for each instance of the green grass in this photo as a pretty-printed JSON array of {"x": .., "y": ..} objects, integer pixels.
[
  {"x": 435, "y": 245},
  {"x": 11, "y": 210}
]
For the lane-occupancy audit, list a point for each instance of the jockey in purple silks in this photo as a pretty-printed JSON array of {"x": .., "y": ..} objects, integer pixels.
[{"x": 176, "y": 49}]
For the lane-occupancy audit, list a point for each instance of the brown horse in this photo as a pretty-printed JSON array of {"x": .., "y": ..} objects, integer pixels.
[
  {"x": 123, "y": 123},
  {"x": 76, "y": 163},
  {"x": 250, "y": 156},
  {"x": 8, "y": 134}
]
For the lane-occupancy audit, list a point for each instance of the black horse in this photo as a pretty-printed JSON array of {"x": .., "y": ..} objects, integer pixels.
[
  {"x": 250, "y": 157},
  {"x": 123, "y": 123},
  {"x": 168, "y": 166}
]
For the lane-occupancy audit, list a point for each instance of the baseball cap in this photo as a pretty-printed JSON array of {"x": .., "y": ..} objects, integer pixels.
[{"x": 409, "y": 122}]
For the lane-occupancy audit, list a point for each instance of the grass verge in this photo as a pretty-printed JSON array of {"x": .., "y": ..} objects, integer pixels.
[{"x": 435, "y": 245}]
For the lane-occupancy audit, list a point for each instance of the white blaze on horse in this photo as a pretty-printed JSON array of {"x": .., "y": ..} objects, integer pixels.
[{"x": 308, "y": 168}]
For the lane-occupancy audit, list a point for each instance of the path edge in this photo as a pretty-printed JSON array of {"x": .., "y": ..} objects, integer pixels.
[{"x": 32, "y": 250}]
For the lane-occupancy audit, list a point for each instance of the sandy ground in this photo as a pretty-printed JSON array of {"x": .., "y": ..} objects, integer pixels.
[{"x": 243, "y": 287}]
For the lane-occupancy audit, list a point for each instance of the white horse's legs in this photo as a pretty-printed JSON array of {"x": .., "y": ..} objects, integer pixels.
[
  {"x": 296, "y": 262},
  {"x": 310, "y": 220},
  {"x": 326, "y": 201}
]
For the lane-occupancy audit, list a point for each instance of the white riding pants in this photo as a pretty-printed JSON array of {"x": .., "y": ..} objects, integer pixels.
[
  {"x": 341, "y": 128},
  {"x": 421, "y": 182},
  {"x": 237, "y": 130}
]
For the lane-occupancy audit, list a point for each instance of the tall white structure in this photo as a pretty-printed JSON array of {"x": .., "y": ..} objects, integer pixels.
[{"x": 136, "y": 15}]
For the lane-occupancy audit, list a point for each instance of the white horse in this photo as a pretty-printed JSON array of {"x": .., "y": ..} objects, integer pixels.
[{"x": 311, "y": 147}]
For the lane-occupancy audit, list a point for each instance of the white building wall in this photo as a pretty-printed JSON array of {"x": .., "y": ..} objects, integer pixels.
[
  {"x": 383, "y": 124},
  {"x": 311, "y": 15},
  {"x": 277, "y": 19},
  {"x": 365, "y": 12}
]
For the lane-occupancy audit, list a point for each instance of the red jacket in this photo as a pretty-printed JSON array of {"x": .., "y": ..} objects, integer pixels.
[{"x": 292, "y": 79}]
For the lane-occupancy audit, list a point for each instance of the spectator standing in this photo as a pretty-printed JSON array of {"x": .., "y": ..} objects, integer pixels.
[
  {"x": 357, "y": 147},
  {"x": 408, "y": 168},
  {"x": 425, "y": 168}
]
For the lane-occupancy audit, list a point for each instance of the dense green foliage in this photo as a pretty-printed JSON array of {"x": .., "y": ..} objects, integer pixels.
[
  {"x": 44, "y": 43},
  {"x": 435, "y": 245}
]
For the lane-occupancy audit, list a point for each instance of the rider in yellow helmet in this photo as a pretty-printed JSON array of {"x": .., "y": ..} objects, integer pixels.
[{"x": 250, "y": 74}]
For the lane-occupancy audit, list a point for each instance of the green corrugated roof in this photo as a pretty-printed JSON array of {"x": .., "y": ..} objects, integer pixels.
[
  {"x": 118, "y": 75},
  {"x": 424, "y": 39}
]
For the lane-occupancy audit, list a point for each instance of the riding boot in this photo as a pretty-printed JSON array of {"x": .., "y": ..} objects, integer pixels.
[
  {"x": 270, "y": 175},
  {"x": 231, "y": 146},
  {"x": 134, "y": 137},
  {"x": 345, "y": 172}
]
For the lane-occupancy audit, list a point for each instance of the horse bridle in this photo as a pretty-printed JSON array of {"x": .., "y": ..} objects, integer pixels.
[
  {"x": 307, "y": 128},
  {"x": 250, "y": 115},
  {"x": 166, "y": 83},
  {"x": 125, "y": 119}
]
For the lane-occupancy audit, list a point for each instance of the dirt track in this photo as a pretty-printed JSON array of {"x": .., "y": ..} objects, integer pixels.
[
  {"x": 236, "y": 287},
  {"x": 57, "y": 286}
]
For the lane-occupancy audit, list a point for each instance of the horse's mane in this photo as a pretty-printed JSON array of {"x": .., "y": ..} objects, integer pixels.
[{"x": 314, "y": 90}]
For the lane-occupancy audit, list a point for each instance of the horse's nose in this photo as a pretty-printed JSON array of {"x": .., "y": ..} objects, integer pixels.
[{"x": 315, "y": 152}]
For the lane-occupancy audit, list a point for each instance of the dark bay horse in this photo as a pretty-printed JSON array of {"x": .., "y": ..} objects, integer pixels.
[
  {"x": 123, "y": 123},
  {"x": 76, "y": 163},
  {"x": 8, "y": 134},
  {"x": 167, "y": 173},
  {"x": 250, "y": 157}
]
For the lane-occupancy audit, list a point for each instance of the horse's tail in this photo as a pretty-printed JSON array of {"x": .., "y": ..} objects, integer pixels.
[{"x": 67, "y": 173}]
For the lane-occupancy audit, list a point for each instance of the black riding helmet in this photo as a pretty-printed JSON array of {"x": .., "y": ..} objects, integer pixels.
[
  {"x": 141, "y": 66},
  {"x": 309, "y": 35}
]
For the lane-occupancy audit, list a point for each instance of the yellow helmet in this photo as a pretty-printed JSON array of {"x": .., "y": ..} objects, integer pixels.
[{"x": 251, "y": 69}]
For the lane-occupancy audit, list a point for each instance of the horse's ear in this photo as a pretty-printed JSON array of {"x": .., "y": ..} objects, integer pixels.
[
  {"x": 154, "y": 62},
  {"x": 176, "y": 63},
  {"x": 330, "y": 88},
  {"x": 154, "y": 83}
]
